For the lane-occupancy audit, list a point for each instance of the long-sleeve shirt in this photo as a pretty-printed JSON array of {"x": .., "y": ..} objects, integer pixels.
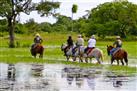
[
  {"x": 91, "y": 43},
  {"x": 80, "y": 42},
  {"x": 117, "y": 43}
]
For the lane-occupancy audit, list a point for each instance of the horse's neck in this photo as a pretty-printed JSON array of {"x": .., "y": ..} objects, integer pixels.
[{"x": 70, "y": 49}]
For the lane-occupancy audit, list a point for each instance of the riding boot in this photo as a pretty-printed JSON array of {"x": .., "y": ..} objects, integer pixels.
[{"x": 65, "y": 53}]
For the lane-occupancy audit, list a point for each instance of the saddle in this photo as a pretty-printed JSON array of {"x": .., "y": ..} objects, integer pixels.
[
  {"x": 35, "y": 45},
  {"x": 89, "y": 50},
  {"x": 116, "y": 51}
]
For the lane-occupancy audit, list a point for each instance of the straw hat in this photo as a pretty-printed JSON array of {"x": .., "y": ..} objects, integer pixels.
[
  {"x": 37, "y": 34},
  {"x": 118, "y": 37}
]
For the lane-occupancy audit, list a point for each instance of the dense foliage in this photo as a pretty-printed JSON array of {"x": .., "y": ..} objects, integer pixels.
[
  {"x": 114, "y": 18},
  {"x": 10, "y": 9},
  {"x": 110, "y": 18}
]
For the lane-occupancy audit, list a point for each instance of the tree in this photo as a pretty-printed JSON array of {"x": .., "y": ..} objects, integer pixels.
[
  {"x": 10, "y": 9},
  {"x": 64, "y": 20},
  {"x": 47, "y": 8},
  {"x": 74, "y": 10},
  {"x": 32, "y": 26},
  {"x": 114, "y": 18}
]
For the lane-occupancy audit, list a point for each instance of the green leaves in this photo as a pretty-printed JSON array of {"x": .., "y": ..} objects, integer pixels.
[
  {"x": 47, "y": 8},
  {"x": 117, "y": 18},
  {"x": 74, "y": 8}
]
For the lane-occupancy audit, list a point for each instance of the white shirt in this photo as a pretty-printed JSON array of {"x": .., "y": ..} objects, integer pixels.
[
  {"x": 91, "y": 43},
  {"x": 80, "y": 42}
]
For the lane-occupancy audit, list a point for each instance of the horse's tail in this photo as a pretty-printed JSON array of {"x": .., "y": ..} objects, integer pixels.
[{"x": 125, "y": 57}]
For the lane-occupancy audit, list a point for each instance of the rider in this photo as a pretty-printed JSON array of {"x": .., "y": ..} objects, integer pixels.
[
  {"x": 91, "y": 44},
  {"x": 69, "y": 44},
  {"x": 117, "y": 44},
  {"x": 79, "y": 42},
  {"x": 37, "y": 40}
]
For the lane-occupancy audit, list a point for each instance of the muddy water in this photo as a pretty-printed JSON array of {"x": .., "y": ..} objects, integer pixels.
[{"x": 47, "y": 77}]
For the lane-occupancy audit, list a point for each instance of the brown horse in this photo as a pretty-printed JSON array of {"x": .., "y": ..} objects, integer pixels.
[
  {"x": 119, "y": 54},
  {"x": 38, "y": 49}
]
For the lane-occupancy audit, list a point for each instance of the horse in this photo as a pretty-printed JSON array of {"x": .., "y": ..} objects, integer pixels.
[
  {"x": 79, "y": 51},
  {"x": 119, "y": 54},
  {"x": 95, "y": 53},
  {"x": 68, "y": 51},
  {"x": 37, "y": 49}
]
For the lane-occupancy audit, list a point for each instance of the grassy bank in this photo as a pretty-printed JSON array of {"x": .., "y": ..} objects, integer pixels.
[
  {"x": 53, "y": 54},
  {"x": 52, "y": 43}
]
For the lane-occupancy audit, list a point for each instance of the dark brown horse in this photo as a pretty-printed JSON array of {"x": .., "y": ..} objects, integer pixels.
[
  {"x": 38, "y": 49},
  {"x": 119, "y": 54}
]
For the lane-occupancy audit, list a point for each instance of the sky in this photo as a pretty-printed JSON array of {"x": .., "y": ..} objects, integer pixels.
[{"x": 65, "y": 9}]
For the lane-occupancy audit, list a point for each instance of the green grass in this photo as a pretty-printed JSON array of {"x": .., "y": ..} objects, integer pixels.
[
  {"x": 122, "y": 70},
  {"x": 53, "y": 54}
]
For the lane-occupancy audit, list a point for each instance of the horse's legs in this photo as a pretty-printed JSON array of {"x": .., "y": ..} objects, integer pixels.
[
  {"x": 118, "y": 62},
  {"x": 122, "y": 62},
  {"x": 86, "y": 60},
  {"x": 90, "y": 60},
  {"x": 126, "y": 60},
  {"x": 112, "y": 59},
  {"x": 98, "y": 60},
  {"x": 80, "y": 59},
  {"x": 67, "y": 58},
  {"x": 41, "y": 56},
  {"x": 74, "y": 58}
]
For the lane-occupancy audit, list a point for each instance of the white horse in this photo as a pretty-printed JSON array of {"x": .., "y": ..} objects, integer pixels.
[
  {"x": 95, "y": 53},
  {"x": 68, "y": 52},
  {"x": 79, "y": 52}
]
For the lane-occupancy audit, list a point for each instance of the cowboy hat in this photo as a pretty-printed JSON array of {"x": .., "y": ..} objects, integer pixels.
[
  {"x": 118, "y": 37},
  {"x": 93, "y": 36}
]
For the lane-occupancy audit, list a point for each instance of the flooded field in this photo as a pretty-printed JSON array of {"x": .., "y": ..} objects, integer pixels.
[{"x": 52, "y": 77}]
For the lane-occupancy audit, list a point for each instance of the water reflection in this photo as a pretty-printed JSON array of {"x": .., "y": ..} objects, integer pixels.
[
  {"x": 37, "y": 70},
  {"x": 44, "y": 77},
  {"x": 91, "y": 81},
  {"x": 80, "y": 77},
  {"x": 7, "y": 76},
  {"x": 11, "y": 72},
  {"x": 117, "y": 83}
]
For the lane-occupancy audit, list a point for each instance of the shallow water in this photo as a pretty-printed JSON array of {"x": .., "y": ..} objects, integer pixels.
[{"x": 57, "y": 77}]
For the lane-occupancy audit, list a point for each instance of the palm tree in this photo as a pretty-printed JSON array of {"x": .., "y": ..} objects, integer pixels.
[{"x": 74, "y": 10}]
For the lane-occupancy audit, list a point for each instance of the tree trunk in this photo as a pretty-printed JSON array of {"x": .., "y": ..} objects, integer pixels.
[
  {"x": 11, "y": 33},
  {"x": 72, "y": 23}
]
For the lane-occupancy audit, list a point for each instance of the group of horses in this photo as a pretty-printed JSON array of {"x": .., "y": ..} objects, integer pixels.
[
  {"x": 118, "y": 55},
  {"x": 79, "y": 53}
]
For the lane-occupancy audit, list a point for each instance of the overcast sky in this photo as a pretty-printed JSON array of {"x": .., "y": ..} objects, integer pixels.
[{"x": 65, "y": 9}]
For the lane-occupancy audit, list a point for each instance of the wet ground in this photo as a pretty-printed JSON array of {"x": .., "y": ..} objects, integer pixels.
[{"x": 52, "y": 77}]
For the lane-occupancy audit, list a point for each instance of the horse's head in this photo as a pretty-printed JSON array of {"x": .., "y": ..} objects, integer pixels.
[
  {"x": 63, "y": 46},
  {"x": 109, "y": 47}
]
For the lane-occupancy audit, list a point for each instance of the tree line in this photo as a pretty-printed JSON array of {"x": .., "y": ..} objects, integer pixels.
[{"x": 111, "y": 18}]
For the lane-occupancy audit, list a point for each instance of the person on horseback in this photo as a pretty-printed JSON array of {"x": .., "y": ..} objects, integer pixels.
[
  {"x": 79, "y": 42},
  {"x": 117, "y": 44},
  {"x": 91, "y": 44},
  {"x": 69, "y": 44},
  {"x": 37, "y": 40}
]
